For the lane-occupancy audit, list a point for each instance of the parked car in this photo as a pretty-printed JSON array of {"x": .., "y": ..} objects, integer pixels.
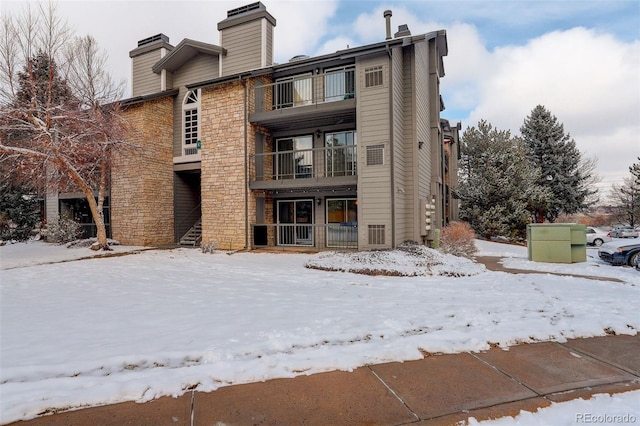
[
  {"x": 621, "y": 252},
  {"x": 624, "y": 232},
  {"x": 596, "y": 237}
]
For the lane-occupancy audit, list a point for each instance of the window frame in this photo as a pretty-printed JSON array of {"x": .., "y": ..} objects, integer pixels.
[{"x": 191, "y": 105}]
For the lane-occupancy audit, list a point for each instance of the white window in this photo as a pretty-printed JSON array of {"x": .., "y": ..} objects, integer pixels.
[{"x": 191, "y": 123}]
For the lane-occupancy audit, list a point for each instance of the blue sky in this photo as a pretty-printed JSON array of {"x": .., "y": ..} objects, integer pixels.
[{"x": 580, "y": 59}]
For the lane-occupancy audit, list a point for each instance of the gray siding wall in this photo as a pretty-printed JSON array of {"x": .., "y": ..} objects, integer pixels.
[
  {"x": 244, "y": 47},
  {"x": 200, "y": 68},
  {"x": 52, "y": 207},
  {"x": 374, "y": 128},
  {"x": 144, "y": 80},
  {"x": 401, "y": 170},
  {"x": 423, "y": 127},
  {"x": 437, "y": 173},
  {"x": 269, "y": 45},
  {"x": 186, "y": 200}
]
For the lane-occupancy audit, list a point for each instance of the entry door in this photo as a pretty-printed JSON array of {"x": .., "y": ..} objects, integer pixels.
[{"x": 295, "y": 222}]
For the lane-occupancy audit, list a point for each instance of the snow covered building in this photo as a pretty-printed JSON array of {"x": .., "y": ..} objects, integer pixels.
[{"x": 344, "y": 150}]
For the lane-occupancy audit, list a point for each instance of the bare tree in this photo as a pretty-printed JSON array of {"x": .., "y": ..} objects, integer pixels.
[
  {"x": 59, "y": 119},
  {"x": 626, "y": 200},
  {"x": 626, "y": 197}
]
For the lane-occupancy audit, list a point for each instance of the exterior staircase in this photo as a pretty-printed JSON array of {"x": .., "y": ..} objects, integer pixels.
[{"x": 193, "y": 237}]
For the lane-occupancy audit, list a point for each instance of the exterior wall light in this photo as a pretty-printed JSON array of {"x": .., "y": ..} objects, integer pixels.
[{"x": 420, "y": 144}]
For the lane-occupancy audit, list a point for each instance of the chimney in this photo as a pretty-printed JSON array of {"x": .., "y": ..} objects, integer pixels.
[
  {"x": 149, "y": 51},
  {"x": 247, "y": 37},
  {"x": 151, "y": 39},
  {"x": 403, "y": 31},
  {"x": 387, "y": 15}
]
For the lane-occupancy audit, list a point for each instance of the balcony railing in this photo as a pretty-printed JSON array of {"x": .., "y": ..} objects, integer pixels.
[
  {"x": 305, "y": 90},
  {"x": 333, "y": 161},
  {"x": 320, "y": 236}
]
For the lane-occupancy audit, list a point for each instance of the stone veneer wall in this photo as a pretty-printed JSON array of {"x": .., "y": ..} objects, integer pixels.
[
  {"x": 224, "y": 187},
  {"x": 142, "y": 178}
]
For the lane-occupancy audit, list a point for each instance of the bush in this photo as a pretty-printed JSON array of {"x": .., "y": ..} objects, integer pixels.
[
  {"x": 19, "y": 212},
  {"x": 458, "y": 239},
  {"x": 209, "y": 247},
  {"x": 62, "y": 231}
]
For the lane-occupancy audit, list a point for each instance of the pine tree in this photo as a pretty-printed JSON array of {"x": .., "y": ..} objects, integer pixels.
[
  {"x": 559, "y": 160},
  {"x": 497, "y": 185},
  {"x": 19, "y": 211}
]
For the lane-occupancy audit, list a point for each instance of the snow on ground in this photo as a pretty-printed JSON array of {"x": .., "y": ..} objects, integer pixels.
[
  {"x": 603, "y": 409},
  {"x": 153, "y": 323},
  {"x": 37, "y": 253}
]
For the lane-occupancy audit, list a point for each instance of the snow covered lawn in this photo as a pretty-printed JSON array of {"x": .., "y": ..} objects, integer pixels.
[{"x": 136, "y": 327}]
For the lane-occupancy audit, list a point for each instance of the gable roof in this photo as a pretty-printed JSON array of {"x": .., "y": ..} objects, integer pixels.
[{"x": 183, "y": 52}]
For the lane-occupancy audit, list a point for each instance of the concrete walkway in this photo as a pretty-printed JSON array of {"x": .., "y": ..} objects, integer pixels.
[
  {"x": 436, "y": 390},
  {"x": 493, "y": 263}
]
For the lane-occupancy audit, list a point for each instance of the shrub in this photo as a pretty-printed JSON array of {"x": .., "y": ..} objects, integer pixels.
[
  {"x": 62, "y": 231},
  {"x": 19, "y": 212},
  {"x": 209, "y": 247},
  {"x": 458, "y": 239}
]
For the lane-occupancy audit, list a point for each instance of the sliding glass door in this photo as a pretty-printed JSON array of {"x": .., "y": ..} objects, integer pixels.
[
  {"x": 342, "y": 222},
  {"x": 294, "y": 158},
  {"x": 295, "y": 222}
]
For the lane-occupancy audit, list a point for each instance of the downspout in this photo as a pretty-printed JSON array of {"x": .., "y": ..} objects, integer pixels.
[{"x": 391, "y": 149}]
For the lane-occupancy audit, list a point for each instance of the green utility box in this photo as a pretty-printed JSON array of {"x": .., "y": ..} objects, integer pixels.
[{"x": 557, "y": 242}]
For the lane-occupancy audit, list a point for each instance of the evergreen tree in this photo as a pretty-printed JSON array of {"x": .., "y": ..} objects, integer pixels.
[
  {"x": 497, "y": 185},
  {"x": 19, "y": 211},
  {"x": 561, "y": 165},
  {"x": 39, "y": 73}
]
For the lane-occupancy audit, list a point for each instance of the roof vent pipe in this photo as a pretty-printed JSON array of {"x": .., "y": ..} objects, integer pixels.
[{"x": 387, "y": 15}]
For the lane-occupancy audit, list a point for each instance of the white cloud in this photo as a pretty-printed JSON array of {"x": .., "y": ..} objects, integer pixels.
[
  {"x": 299, "y": 26},
  {"x": 589, "y": 81}
]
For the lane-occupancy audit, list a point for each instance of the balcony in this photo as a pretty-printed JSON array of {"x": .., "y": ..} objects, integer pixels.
[
  {"x": 321, "y": 236},
  {"x": 317, "y": 167},
  {"x": 306, "y": 100}
]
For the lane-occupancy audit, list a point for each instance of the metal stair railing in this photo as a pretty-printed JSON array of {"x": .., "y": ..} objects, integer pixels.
[{"x": 193, "y": 237}]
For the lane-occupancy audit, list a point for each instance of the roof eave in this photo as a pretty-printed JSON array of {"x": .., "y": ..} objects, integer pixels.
[{"x": 177, "y": 57}]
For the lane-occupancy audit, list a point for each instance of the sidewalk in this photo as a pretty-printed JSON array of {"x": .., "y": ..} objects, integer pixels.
[{"x": 436, "y": 390}]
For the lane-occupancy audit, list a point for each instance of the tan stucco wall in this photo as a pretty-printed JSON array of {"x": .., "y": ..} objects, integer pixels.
[{"x": 142, "y": 177}]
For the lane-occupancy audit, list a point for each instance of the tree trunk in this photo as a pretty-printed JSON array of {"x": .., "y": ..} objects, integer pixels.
[
  {"x": 96, "y": 212},
  {"x": 98, "y": 218}
]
